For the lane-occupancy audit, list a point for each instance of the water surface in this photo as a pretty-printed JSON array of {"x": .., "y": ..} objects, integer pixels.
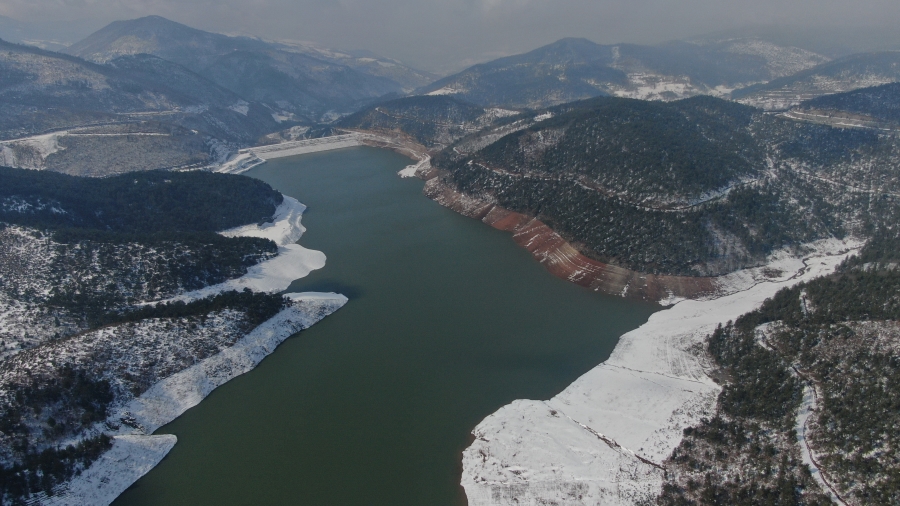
[{"x": 448, "y": 320}]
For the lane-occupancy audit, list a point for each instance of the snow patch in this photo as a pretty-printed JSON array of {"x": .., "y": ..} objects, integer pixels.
[
  {"x": 284, "y": 229},
  {"x": 411, "y": 170},
  {"x": 496, "y": 112},
  {"x": 130, "y": 457},
  {"x": 446, "y": 90},
  {"x": 240, "y": 107},
  {"x": 292, "y": 262},
  {"x": 238, "y": 163},
  {"x": 30, "y": 152}
]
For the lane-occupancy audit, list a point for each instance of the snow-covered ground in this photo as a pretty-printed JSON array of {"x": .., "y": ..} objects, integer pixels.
[
  {"x": 134, "y": 453},
  {"x": 644, "y": 86},
  {"x": 410, "y": 170},
  {"x": 129, "y": 458},
  {"x": 603, "y": 440},
  {"x": 171, "y": 397},
  {"x": 276, "y": 274}
]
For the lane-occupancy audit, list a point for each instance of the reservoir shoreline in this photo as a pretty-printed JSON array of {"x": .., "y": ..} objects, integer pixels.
[
  {"x": 449, "y": 321},
  {"x": 136, "y": 449},
  {"x": 508, "y": 449},
  {"x": 605, "y": 438},
  {"x": 546, "y": 246}
]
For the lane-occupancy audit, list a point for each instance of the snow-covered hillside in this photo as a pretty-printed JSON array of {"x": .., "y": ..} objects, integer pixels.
[
  {"x": 605, "y": 438},
  {"x": 87, "y": 398}
]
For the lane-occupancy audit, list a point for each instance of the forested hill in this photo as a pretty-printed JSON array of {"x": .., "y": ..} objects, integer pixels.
[
  {"x": 652, "y": 152},
  {"x": 145, "y": 202},
  {"x": 834, "y": 340},
  {"x": 880, "y": 103},
  {"x": 696, "y": 187},
  {"x": 430, "y": 120},
  {"x": 80, "y": 254}
]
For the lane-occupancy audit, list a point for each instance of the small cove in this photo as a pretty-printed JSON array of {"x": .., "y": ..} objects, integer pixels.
[{"x": 448, "y": 320}]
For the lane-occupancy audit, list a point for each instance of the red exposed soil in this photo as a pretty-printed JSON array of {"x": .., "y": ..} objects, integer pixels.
[
  {"x": 549, "y": 248},
  {"x": 561, "y": 258}
]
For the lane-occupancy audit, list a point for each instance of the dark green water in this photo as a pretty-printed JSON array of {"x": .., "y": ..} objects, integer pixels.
[{"x": 448, "y": 320}]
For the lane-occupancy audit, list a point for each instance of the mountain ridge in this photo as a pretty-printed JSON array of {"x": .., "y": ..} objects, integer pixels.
[
  {"x": 292, "y": 79},
  {"x": 577, "y": 68}
]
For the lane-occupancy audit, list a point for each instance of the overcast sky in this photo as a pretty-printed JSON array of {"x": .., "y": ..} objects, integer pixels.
[{"x": 444, "y": 35}]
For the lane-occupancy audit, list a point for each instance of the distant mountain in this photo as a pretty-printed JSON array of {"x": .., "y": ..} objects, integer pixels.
[
  {"x": 11, "y": 29},
  {"x": 835, "y": 41},
  {"x": 284, "y": 77},
  {"x": 433, "y": 121},
  {"x": 136, "y": 112},
  {"x": 845, "y": 74},
  {"x": 876, "y": 107},
  {"x": 366, "y": 62},
  {"x": 574, "y": 69},
  {"x": 43, "y": 90}
]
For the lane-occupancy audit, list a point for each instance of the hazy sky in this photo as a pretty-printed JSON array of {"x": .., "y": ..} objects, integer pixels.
[{"x": 440, "y": 35}]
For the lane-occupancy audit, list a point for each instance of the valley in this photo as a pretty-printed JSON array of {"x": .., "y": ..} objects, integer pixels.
[{"x": 685, "y": 293}]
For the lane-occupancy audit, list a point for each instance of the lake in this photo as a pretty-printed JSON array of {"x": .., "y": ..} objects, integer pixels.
[{"x": 448, "y": 320}]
